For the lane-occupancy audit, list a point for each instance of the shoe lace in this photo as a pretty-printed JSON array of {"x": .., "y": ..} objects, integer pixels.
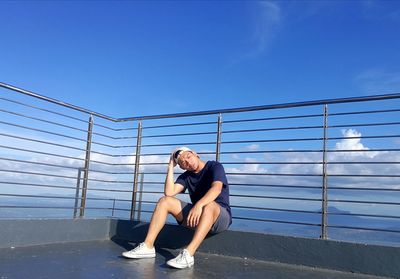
[
  {"x": 183, "y": 256},
  {"x": 137, "y": 248}
]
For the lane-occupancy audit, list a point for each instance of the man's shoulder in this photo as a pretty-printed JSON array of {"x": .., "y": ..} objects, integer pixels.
[{"x": 214, "y": 164}]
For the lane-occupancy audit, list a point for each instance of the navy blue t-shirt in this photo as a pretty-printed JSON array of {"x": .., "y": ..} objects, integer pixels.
[{"x": 198, "y": 184}]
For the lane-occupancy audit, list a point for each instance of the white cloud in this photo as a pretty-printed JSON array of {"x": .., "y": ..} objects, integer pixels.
[
  {"x": 378, "y": 81},
  {"x": 253, "y": 147},
  {"x": 352, "y": 141},
  {"x": 265, "y": 18},
  {"x": 266, "y": 22}
]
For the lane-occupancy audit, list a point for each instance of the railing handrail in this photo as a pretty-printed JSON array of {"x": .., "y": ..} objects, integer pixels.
[
  {"x": 207, "y": 112},
  {"x": 54, "y": 101}
]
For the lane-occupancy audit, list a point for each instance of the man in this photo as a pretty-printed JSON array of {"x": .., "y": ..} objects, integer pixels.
[{"x": 209, "y": 211}]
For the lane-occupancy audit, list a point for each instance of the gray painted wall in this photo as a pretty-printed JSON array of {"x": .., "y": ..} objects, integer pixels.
[
  {"x": 344, "y": 256},
  {"x": 359, "y": 258},
  {"x": 19, "y": 233}
]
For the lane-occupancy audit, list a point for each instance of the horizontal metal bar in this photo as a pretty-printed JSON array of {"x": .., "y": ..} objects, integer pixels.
[
  {"x": 209, "y": 112},
  {"x": 169, "y": 154},
  {"x": 151, "y": 192},
  {"x": 54, "y": 101},
  {"x": 365, "y": 137},
  {"x": 114, "y": 138},
  {"x": 37, "y": 185},
  {"x": 110, "y": 172},
  {"x": 273, "y": 118},
  {"x": 37, "y": 173},
  {"x": 364, "y": 150},
  {"x": 111, "y": 164},
  {"x": 273, "y": 174},
  {"x": 275, "y": 209},
  {"x": 35, "y": 196},
  {"x": 365, "y": 175},
  {"x": 275, "y": 197},
  {"x": 275, "y": 221},
  {"x": 39, "y": 163},
  {"x": 270, "y": 163},
  {"x": 180, "y": 135},
  {"x": 36, "y": 207},
  {"x": 42, "y": 109},
  {"x": 273, "y": 129},
  {"x": 363, "y": 202},
  {"x": 364, "y": 125},
  {"x": 178, "y": 125},
  {"x": 43, "y": 120},
  {"x": 149, "y": 202},
  {"x": 363, "y": 112},
  {"x": 111, "y": 190},
  {"x": 363, "y": 163},
  {"x": 274, "y": 185},
  {"x": 271, "y": 140},
  {"x": 273, "y": 151},
  {"x": 42, "y": 131},
  {"x": 112, "y": 155},
  {"x": 41, "y": 141},
  {"x": 311, "y": 150},
  {"x": 55, "y": 207},
  {"x": 54, "y": 197},
  {"x": 307, "y": 139},
  {"x": 154, "y": 164},
  {"x": 363, "y": 189},
  {"x": 109, "y": 181},
  {"x": 268, "y": 107},
  {"x": 179, "y": 144},
  {"x": 114, "y": 129},
  {"x": 306, "y": 163},
  {"x": 364, "y": 215},
  {"x": 114, "y": 146},
  {"x": 363, "y": 228}
]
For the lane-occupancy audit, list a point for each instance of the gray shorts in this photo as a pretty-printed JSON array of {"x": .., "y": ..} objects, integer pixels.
[{"x": 221, "y": 224}]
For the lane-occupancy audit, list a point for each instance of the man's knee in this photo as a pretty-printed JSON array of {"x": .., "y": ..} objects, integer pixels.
[
  {"x": 167, "y": 202},
  {"x": 211, "y": 209}
]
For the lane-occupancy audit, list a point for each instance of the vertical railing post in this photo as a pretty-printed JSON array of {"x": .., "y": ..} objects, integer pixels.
[
  {"x": 113, "y": 208},
  {"x": 324, "y": 221},
  {"x": 78, "y": 186},
  {"x": 136, "y": 173},
  {"x": 219, "y": 136},
  {"x": 86, "y": 168},
  {"x": 140, "y": 196}
]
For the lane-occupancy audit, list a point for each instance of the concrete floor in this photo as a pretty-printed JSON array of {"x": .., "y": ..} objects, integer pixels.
[{"x": 101, "y": 259}]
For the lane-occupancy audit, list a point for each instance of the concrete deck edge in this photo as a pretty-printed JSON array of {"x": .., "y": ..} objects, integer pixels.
[
  {"x": 29, "y": 232},
  {"x": 327, "y": 254}
]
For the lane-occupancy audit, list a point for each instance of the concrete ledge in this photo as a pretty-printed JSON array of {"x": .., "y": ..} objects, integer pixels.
[
  {"x": 336, "y": 255},
  {"x": 18, "y": 233}
]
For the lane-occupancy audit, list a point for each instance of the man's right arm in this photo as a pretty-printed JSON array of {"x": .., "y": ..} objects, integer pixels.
[{"x": 170, "y": 188}]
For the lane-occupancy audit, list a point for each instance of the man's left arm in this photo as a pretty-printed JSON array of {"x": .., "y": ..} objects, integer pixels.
[{"x": 197, "y": 209}]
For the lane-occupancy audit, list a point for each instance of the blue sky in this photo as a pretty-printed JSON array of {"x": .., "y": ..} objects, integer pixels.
[{"x": 130, "y": 58}]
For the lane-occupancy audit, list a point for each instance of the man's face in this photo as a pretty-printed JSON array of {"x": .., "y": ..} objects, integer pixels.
[{"x": 188, "y": 161}]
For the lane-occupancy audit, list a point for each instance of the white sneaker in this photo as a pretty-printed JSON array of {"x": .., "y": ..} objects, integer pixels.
[
  {"x": 183, "y": 260},
  {"x": 140, "y": 252}
]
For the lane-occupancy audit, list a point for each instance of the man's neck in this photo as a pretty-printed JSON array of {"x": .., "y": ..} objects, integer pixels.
[{"x": 201, "y": 166}]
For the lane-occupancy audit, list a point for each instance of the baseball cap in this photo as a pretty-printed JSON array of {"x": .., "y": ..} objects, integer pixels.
[{"x": 177, "y": 153}]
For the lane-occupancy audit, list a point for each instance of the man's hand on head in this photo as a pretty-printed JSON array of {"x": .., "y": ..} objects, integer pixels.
[{"x": 172, "y": 162}]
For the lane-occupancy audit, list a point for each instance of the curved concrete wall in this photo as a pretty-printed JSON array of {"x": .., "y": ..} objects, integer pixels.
[{"x": 343, "y": 256}]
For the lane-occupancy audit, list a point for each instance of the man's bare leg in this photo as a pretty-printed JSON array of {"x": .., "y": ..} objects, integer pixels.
[
  {"x": 164, "y": 206},
  {"x": 207, "y": 219}
]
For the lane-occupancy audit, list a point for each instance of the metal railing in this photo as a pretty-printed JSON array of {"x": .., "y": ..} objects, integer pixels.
[{"x": 327, "y": 168}]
